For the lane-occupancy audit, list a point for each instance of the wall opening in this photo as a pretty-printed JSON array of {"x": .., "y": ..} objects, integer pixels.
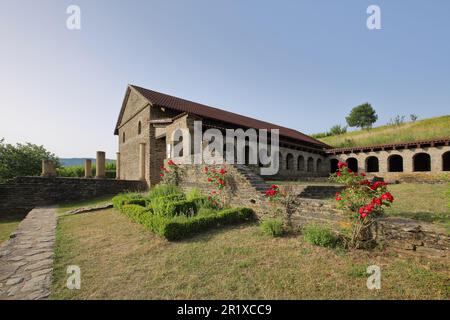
[
  {"x": 289, "y": 161},
  {"x": 310, "y": 165},
  {"x": 395, "y": 163},
  {"x": 139, "y": 128},
  {"x": 334, "y": 165},
  {"x": 446, "y": 161},
  {"x": 123, "y": 137},
  {"x": 352, "y": 164},
  {"x": 301, "y": 163},
  {"x": 319, "y": 165},
  {"x": 372, "y": 164},
  {"x": 422, "y": 162}
]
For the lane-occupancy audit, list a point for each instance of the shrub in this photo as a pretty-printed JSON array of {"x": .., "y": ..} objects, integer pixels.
[
  {"x": 122, "y": 199},
  {"x": 320, "y": 236},
  {"x": 181, "y": 227},
  {"x": 193, "y": 194},
  {"x": 272, "y": 227},
  {"x": 163, "y": 190}
]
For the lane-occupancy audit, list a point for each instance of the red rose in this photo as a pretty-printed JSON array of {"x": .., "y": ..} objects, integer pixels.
[
  {"x": 222, "y": 171},
  {"x": 363, "y": 174},
  {"x": 206, "y": 169},
  {"x": 161, "y": 174},
  {"x": 338, "y": 174},
  {"x": 209, "y": 179},
  {"x": 376, "y": 201},
  {"x": 387, "y": 196},
  {"x": 274, "y": 186},
  {"x": 341, "y": 164},
  {"x": 170, "y": 163}
]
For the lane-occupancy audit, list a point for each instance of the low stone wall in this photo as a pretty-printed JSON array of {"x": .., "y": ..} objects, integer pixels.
[
  {"x": 21, "y": 194},
  {"x": 238, "y": 191},
  {"x": 415, "y": 177},
  {"x": 410, "y": 234}
]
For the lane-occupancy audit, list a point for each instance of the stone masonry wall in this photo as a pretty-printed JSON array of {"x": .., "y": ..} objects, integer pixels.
[
  {"x": 238, "y": 191},
  {"x": 23, "y": 193}
]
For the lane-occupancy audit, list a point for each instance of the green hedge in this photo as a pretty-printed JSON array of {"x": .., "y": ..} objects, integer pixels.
[
  {"x": 128, "y": 198},
  {"x": 177, "y": 229}
]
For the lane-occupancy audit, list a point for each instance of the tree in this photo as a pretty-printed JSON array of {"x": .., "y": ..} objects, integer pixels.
[
  {"x": 413, "y": 117},
  {"x": 362, "y": 116},
  {"x": 22, "y": 159},
  {"x": 338, "y": 129}
]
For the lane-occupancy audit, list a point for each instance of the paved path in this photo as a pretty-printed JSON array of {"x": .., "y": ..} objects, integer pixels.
[{"x": 26, "y": 261}]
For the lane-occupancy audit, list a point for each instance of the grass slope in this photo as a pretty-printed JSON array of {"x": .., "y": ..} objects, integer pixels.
[{"x": 431, "y": 128}]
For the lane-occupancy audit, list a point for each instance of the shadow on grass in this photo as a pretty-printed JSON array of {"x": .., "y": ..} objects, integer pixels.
[
  {"x": 424, "y": 216},
  {"x": 207, "y": 235}
]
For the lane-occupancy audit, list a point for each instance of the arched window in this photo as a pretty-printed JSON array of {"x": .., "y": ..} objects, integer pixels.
[
  {"x": 301, "y": 163},
  {"x": 422, "y": 162},
  {"x": 446, "y": 161},
  {"x": 139, "y": 127},
  {"x": 289, "y": 161},
  {"x": 319, "y": 165},
  {"x": 310, "y": 165},
  {"x": 352, "y": 164},
  {"x": 334, "y": 165},
  {"x": 395, "y": 163},
  {"x": 280, "y": 160},
  {"x": 372, "y": 164},
  {"x": 123, "y": 137}
]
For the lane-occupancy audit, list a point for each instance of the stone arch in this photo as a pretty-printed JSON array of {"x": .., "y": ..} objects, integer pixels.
[
  {"x": 372, "y": 164},
  {"x": 395, "y": 163},
  {"x": 310, "y": 165},
  {"x": 421, "y": 162},
  {"x": 139, "y": 127},
  {"x": 334, "y": 165},
  {"x": 301, "y": 163},
  {"x": 289, "y": 161},
  {"x": 318, "y": 165},
  {"x": 352, "y": 164},
  {"x": 446, "y": 161}
]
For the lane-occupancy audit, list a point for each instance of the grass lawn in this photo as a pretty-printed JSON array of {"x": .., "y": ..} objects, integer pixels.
[
  {"x": 432, "y": 128},
  {"x": 427, "y": 202},
  {"x": 87, "y": 203},
  {"x": 9, "y": 223},
  {"x": 122, "y": 260}
]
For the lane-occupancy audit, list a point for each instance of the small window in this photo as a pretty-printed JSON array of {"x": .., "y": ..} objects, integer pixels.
[
  {"x": 123, "y": 137},
  {"x": 139, "y": 127}
]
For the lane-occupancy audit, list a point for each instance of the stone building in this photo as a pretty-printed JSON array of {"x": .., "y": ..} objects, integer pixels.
[{"x": 148, "y": 118}]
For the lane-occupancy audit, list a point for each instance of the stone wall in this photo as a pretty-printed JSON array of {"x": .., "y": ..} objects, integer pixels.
[
  {"x": 407, "y": 159},
  {"x": 238, "y": 192},
  {"x": 23, "y": 193}
]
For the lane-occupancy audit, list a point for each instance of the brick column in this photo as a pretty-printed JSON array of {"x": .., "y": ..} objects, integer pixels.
[
  {"x": 48, "y": 169},
  {"x": 141, "y": 161},
  {"x": 100, "y": 165},
  {"x": 118, "y": 165},
  {"x": 88, "y": 168}
]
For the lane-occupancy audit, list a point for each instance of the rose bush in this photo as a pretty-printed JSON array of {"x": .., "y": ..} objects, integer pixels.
[
  {"x": 362, "y": 200},
  {"x": 217, "y": 178},
  {"x": 170, "y": 175}
]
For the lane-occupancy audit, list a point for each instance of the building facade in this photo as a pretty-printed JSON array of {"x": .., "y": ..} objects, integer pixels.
[{"x": 148, "y": 119}]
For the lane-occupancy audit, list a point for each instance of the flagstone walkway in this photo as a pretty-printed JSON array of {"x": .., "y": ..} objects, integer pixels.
[{"x": 26, "y": 260}]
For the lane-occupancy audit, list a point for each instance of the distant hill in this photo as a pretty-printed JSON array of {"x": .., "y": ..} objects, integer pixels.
[
  {"x": 67, "y": 162},
  {"x": 432, "y": 128}
]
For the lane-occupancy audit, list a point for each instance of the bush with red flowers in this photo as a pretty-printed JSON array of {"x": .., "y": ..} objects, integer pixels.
[
  {"x": 171, "y": 174},
  {"x": 362, "y": 200},
  {"x": 217, "y": 178},
  {"x": 273, "y": 194}
]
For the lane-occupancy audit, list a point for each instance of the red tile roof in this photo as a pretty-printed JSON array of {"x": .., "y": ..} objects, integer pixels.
[{"x": 167, "y": 101}]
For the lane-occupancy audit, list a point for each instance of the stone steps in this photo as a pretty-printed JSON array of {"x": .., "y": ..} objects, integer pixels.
[{"x": 255, "y": 180}]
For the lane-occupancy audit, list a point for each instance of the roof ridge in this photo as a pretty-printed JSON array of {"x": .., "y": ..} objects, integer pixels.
[{"x": 188, "y": 104}]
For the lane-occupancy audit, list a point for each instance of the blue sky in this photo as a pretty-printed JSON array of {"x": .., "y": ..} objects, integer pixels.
[{"x": 301, "y": 64}]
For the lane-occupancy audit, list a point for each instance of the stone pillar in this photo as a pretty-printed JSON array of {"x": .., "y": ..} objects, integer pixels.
[
  {"x": 88, "y": 168},
  {"x": 141, "y": 161},
  {"x": 118, "y": 165},
  {"x": 48, "y": 169},
  {"x": 100, "y": 165}
]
